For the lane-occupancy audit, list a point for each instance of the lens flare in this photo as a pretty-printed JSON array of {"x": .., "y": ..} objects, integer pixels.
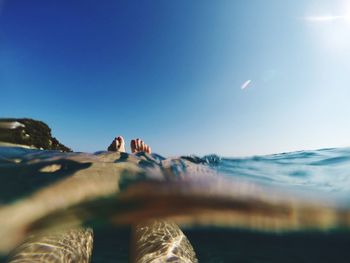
[{"x": 246, "y": 84}]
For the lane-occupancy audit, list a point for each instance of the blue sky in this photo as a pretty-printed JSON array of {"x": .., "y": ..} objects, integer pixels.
[{"x": 171, "y": 72}]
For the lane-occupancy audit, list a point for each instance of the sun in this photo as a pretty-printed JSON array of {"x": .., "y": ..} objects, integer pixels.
[
  {"x": 332, "y": 29},
  {"x": 342, "y": 15}
]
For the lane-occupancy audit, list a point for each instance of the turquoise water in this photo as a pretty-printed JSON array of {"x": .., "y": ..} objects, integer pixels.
[{"x": 325, "y": 173}]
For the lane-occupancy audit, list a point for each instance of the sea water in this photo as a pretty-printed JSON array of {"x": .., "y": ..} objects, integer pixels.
[
  {"x": 326, "y": 170},
  {"x": 325, "y": 173}
]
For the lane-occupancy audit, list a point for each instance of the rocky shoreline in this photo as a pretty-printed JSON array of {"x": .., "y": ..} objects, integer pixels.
[{"x": 29, "y": 132}]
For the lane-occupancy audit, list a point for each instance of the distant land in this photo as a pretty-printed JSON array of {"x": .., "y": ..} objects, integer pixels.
[{"x": 29, "y": 132}]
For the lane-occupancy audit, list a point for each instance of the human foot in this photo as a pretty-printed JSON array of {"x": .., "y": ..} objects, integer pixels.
[
  {"x": 117, "y": 145},
  {"x": 139, "y": 146}
]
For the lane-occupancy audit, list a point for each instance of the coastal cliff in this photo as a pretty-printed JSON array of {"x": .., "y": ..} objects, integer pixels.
[{"x": 29, "y": 132}]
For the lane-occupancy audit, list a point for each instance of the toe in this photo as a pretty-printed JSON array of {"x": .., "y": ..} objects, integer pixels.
[
  {"x": 143, "y": 146},
  {"x": 138, "y": 144},
  {"x": 120, "y": 140},
  {"x": 113, "y": 145},
  {"x": 133, "y": 146},
  {"x": 120, "y": 144}
]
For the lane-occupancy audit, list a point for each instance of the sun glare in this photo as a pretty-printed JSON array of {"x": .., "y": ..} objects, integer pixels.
[
  {"x": 323, "y": 18},
  {"x": 331, "y": 28},
  {"x": 342, "y": 15}
]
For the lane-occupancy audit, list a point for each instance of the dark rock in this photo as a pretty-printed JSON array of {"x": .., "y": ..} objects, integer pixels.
[{"x": 29, "y": 132}]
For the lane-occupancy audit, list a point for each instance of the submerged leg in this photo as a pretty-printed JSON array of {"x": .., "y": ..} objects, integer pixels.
[
  {"x": 161, "y": 241},
  {"x": 68, "y": 246}
]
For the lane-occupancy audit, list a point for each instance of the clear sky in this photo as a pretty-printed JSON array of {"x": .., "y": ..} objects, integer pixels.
[{"x": 172, "y": 72}]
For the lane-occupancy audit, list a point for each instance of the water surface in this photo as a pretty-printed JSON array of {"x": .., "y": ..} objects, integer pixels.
[{"x": 290, "y": 207}]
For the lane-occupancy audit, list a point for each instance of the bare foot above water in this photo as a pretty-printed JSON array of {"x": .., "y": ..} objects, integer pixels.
[
  {"x": 139, "y": 146},
  {"x": 117, "y": 145}
]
